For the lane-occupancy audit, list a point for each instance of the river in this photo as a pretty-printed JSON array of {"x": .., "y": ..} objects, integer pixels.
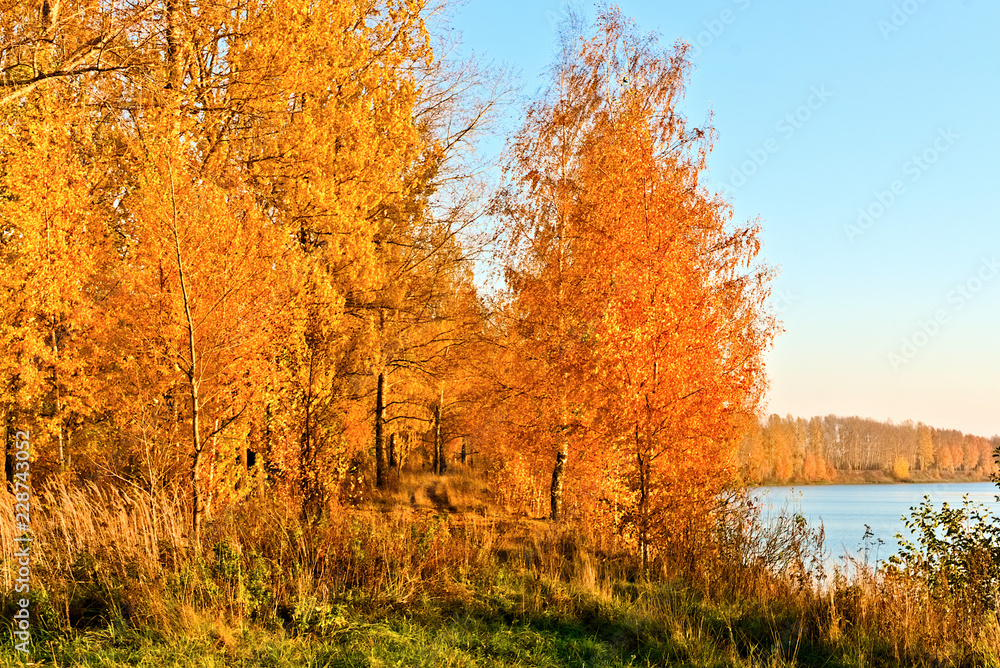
[{"x": 844, "y": 510}]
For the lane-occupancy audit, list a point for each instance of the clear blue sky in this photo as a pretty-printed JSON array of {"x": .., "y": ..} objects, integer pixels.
[{"x": 824, "y": 111}]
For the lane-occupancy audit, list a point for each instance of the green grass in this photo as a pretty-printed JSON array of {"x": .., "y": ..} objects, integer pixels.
[{"x": 511, "y": 620}]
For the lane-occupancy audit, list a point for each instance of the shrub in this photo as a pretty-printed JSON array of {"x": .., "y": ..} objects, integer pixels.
[{"x": 956, "y": 557}]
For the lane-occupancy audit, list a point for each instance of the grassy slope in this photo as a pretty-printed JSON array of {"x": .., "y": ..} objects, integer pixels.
[
  {"x": 651, "y": 627},
  {"x": 468, "y": 585}
]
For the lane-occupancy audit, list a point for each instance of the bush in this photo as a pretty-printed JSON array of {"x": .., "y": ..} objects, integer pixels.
[{"x": 956, "y": 557}]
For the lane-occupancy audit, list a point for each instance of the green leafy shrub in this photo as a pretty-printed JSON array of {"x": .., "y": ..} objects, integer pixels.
[{"x": 956, "y": 556}]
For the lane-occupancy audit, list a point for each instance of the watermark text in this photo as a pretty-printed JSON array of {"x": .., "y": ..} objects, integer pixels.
[{"x": 22, "y": 524}]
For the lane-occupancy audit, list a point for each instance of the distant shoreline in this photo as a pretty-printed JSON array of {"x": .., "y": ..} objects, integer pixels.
[{"x": 881, "y": 478}]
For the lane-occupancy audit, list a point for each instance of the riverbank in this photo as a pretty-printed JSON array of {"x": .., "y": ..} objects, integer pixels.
[{"x": 883, "y": 478}]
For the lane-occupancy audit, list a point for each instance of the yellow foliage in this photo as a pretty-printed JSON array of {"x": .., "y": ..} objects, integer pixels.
[{"x": 901, "y": 468}]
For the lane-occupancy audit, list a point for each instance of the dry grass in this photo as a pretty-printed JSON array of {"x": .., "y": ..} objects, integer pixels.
[{"x": 111, "y": 555}]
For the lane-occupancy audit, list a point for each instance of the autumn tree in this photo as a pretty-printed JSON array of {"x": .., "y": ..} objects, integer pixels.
[
  {"x": 52, "y": 243},
  {"x": 754, "y": 457},
  {"x": 682, "y": 324},
  {"x": 198, "y": 293},
  {"x": 781, "y": 448},
  {"x": 639, "y": 313},
  {"x": 925, "y": 447},
  {"x": 815, "y": 466},
  {"x": 548, "y": 308}
]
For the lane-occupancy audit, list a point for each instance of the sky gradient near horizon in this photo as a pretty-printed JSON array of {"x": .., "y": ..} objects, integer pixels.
[{"x": 864, "y": 135}]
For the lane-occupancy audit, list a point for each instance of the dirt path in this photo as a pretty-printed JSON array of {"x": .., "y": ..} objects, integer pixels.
[
  {"x": 437, "y": 494},
  {"x": 432, "y": 495}
]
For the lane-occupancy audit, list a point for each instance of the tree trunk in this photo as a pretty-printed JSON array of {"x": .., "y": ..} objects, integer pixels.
[
  {"x": 8, "y": 460},
  {"x": 559, "y": 470},
  {"x": 55, "y": 409},
  {"x": 379, "y": 449},
  {"x": 212, "y": 459},
  {"x": 438, "y": 463},
  {"x": 404, "y": 452},
  {"x": 175, "y": 39},
  {"x": 393, "y": 460},
  {"x": 643, "y": 503},
  {"x": 193, "y": 373},
  {"x": 195, "y": 466},
  {"x": 308, "y": 479},
  {"x": 558, "y": 474}
]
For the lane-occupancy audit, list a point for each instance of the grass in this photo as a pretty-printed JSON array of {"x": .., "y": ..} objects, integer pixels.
[
  {"x": 435, "y": 573},
  {"x": 509, "y": 624}
]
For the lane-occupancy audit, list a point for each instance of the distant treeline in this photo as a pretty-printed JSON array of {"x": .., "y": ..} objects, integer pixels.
[{"x": 827, "y": 449}]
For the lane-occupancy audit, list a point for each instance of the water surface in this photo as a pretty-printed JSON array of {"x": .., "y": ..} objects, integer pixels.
[{"x": 844, "y": 510}]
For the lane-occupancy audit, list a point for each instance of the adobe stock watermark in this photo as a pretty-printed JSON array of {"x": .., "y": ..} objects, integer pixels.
[
  {"x": 900, "y": 15},
  {"x": 786, "y": 127},
  {"x": 914, "y": 168},
  {"x": 957, "y": 298},
  {"x": 714, "y": 27},
  {"x": 783, "y": 301},
  {"x": 22, "y": 526}
]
